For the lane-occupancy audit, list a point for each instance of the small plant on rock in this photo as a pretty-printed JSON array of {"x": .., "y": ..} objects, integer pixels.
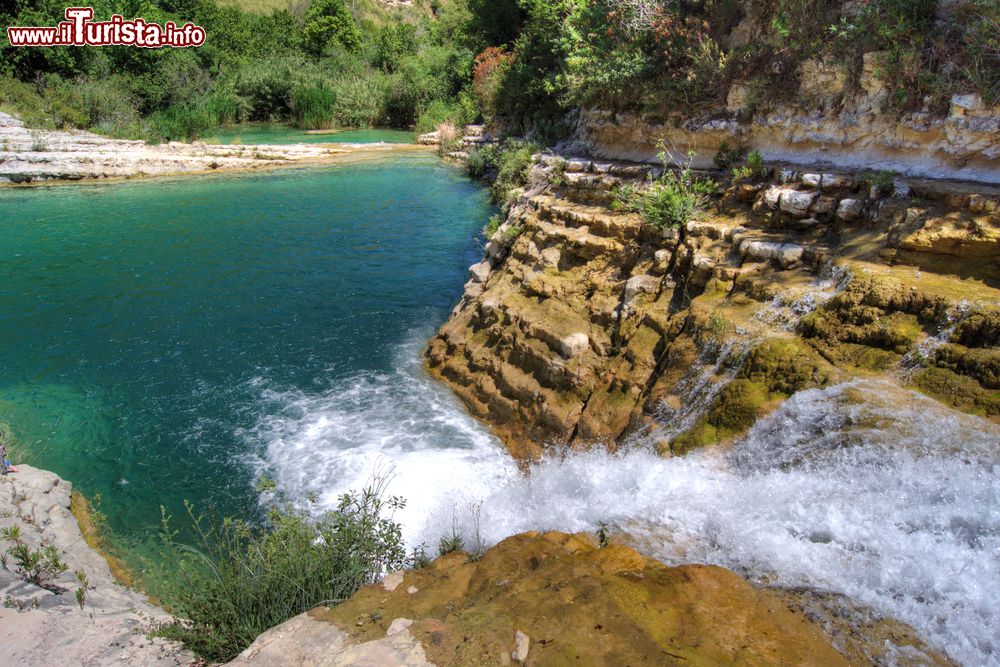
[
  {"x": 602, "y": 535},
  {"x": 38, "y": 143},
  {"x": 668, "y": 203},
  {"x": 37, "y": 566},
  {"x": 450, "y": 544},
  {"x": 81, "y": 591},
  {"x": 726, "y": 155},
  {"x": 753, "y": 170},
  {"x": 492, "y": 225}
]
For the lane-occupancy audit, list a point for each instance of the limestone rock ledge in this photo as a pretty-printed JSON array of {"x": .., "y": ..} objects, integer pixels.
[
  {"x": 582, "y": 325},
  {"x": 33, "y": 156},
  {"x": 46, "y": 626},
  {"x": 557, "y": 599}
]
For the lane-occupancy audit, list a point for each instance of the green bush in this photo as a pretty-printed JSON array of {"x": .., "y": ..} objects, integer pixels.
[
  {"x": 37, "y": 566},
  {"x": 753, "y": 170},
  {"x": 669, "y": 203},
  {"x": 512, "y": 161},
  {"x": 475, "y": 162},
  {"x": 330, "y": 23},
  {"x": 241, "y": 580},
  {"x": 314, "y": 107},
  {"x": 360, "y": 101},
  {"x": 438, "y": 112}
]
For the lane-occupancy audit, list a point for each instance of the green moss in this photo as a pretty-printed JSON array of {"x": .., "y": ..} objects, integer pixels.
[
  {"x": 738, "y": 405},
  {"x": 860, "y": 356},
  {"x": 957, "y": 390},
  {"x": 980, "y": 329},
  {"x": 784, "y": 366},
  {"x": 702, "y": 435},
  {"x": 981, "y": 364}
]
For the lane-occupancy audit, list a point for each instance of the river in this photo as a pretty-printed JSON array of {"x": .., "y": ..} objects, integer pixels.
[{"x": 173, "y": 340}]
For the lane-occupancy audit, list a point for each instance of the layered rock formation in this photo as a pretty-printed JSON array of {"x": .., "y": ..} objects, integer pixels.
[
  {"x": 31, "y": 156},
  {"x": 555, "y": 599},
  {"x": 583, "y": 325},
  {"x": 830, "y": 114},
  {"x": 51, "y": 623}
]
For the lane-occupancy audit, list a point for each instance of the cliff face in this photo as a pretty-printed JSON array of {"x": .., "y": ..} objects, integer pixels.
[{"x": 584, "y": 326}]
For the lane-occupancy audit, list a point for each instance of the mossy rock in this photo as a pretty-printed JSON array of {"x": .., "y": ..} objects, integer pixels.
[
  {"x": 576, "y": 604},
  {"x": 981, "y": 329},
  {"x": 738, "y": 405},
  {"x": 785, "y": 366},
  {"x": 890, "y": 295},
  {"x": 981, "y": 364},
  {"x": 858, "y": 356},
  {"x": 702, "y": 435},
  {"x": 863, "y": 325},
  {"x": 957, "y": 390}
]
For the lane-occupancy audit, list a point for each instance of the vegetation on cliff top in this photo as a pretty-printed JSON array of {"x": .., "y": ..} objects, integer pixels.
[{"x": 524, "y": 63}]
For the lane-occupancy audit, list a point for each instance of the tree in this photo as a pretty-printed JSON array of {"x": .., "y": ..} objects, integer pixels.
[{"x": 329, "y": 22}]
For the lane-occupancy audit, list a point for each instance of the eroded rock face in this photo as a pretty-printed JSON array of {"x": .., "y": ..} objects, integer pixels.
[
  {"x": 853, "y": 133},
  {"x": 46, "y": 626},
  {"x": 588, "y": 326},
  {"x": 555, "y": 599}
]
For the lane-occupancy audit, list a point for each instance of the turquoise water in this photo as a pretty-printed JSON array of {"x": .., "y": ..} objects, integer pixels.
[
  {"x": 282, "y": 134},
  {"x": 149, "y": 331}
]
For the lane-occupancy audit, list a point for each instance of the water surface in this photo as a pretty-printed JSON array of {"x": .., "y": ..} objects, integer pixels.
[
  {"x": 283, "y": 134},
  {"x": 145, "y": 327}
]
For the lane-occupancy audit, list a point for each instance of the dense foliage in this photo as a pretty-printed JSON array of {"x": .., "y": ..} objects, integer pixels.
[
  {"x": 241, "y": 580},
  {"x": 337, "y": 63},
  {"x": 524, "y": 63},
  {"x": 658, "y": 55}
]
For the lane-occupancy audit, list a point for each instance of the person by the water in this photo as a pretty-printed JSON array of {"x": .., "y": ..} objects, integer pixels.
[{"x": 5, "y": 464}]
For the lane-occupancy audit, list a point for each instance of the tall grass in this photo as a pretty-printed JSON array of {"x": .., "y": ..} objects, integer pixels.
[
  {"x": 240, "y": 580},
  {"x": 314, "y": 107}
]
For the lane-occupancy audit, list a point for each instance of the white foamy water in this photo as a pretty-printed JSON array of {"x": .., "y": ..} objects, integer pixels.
[
  {"x": 401, "y": 424},
  {"x": 862, "y": 489}
]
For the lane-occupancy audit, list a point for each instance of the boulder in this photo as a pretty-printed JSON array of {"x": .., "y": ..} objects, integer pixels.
[
  {"x": 480, "y": 273},
  {"x": 574, "y": 345},
  {"x": 797, "y": 203},
  {"x": 850, "y": 210}
]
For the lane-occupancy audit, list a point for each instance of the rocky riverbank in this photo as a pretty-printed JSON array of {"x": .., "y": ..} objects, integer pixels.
[
  {"x": 582, "y": 325},
  {"x": 555, "y": 599},
  {"x": 35, "y": 156},
  {"x": 81, "y": 615}
]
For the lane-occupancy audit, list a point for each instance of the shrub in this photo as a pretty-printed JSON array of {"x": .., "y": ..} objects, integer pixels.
[
  {"x": 489, "y": 70},
  {"x": 753, "y": 170},
  {"x": 475, "y": 162},
  {"x": 314, "y": 107},
  {"x": 726, "y": 155},
  {"x": 982, "y": 48},
  {"x": 440, "y": 112},
  {"x": 512, "y": 160},
  {"x": 241, "y": 580},
  {"x": 329, "y": 22},
  {"x": 449, "y": 138},
  {"x": 37, "y": 566},
  {"x": 360, "y": 100},
  {"x": 492, "y": 225},
  {"x": 669, "y": 203}
]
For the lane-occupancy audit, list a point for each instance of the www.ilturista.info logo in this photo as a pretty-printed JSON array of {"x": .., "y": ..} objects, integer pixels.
[{"x": 79, "y": 30}]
